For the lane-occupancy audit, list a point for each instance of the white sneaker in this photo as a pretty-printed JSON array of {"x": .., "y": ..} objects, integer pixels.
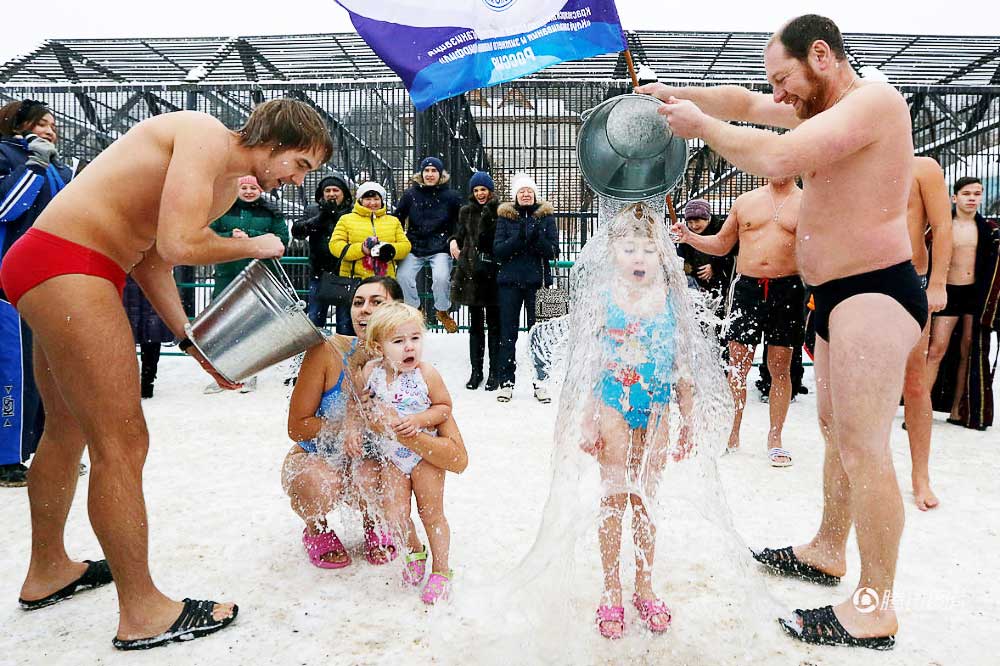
[
  {"x": 212, "y": 388},
  {"x": 249, "y": 385},
  {"x": 505, "y": 393},
  {"x": 542, "y": 394}
]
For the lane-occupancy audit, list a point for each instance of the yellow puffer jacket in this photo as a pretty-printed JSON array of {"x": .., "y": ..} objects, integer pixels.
[{"x": 353, "y": 228}]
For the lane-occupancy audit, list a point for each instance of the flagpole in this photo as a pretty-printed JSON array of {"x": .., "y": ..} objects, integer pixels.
[{"x": 631, "y": 68}]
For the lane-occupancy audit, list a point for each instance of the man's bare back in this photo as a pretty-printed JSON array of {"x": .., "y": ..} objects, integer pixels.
[
  {"x": 123, "y": 222},
  {"x": 766, "y": 223}
]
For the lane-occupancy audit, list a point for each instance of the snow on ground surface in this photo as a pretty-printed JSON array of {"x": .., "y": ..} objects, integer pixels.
[{"x": 220, "y": 527}]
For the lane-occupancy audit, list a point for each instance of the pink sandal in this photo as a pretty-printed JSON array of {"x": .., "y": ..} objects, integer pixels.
[
  {"x": 611, "y": 614},
  {"x": 322, "y": 544},
  {"x": 415, "y": 567},
  {"x": 379, "y": 544},
  {"x": 436, "y": 589},
  {"x": 648, "y": 609}
]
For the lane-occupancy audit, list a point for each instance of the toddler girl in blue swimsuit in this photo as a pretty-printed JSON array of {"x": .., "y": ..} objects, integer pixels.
[{"x": 626, "y": 426}]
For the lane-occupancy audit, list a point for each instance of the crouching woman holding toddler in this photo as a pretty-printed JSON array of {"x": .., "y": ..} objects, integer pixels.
[{"x": 317, "y": 472}]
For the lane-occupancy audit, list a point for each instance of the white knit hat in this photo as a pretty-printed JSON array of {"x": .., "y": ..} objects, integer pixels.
[
  {"x": 370, "y": 186},
  {"x": 523, "y": 180}
]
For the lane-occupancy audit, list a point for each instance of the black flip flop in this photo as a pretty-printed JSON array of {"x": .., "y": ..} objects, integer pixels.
[
  {"x": 958, "y": 422},
  {"x": 194, "y": 622},
  {"x": 820, "y": 626},
  {"x": 783, "y": 561},
  {"x": 97, "y": 574}
]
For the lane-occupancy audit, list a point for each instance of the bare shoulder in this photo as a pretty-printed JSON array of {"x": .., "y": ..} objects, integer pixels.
[
  {"x": 747, "y": 198},
  {"x": 880, "y": 95},
  {"x": 430, "y": 373},
  {"x": 925, "y": 168},
  {"x": 190, "y": 127}
]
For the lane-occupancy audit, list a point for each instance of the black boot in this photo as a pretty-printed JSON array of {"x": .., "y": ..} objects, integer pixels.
[
  {"x": 150, "y": 352},
  {"x": 475, "y": 380},
  {"x": 492, "y": 383}
]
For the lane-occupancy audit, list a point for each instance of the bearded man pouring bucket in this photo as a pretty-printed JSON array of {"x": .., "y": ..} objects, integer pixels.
[{"x": 142, "y": 206}]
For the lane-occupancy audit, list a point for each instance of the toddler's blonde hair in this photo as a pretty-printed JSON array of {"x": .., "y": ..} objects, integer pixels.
[{"x": 387, "y": 318}]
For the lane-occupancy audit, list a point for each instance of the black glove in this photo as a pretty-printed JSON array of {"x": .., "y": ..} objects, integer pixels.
[
  {"x": 533, "y": 233},
  {"x": 41, "y": 151}
]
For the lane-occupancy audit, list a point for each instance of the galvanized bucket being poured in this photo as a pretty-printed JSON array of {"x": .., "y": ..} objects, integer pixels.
[
  {"x": 257, "y": 321},
  {"x": 626, "y": 150}
]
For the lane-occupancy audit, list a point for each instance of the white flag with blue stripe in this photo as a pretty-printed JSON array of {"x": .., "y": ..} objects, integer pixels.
[{"x": 443, "y": 50}]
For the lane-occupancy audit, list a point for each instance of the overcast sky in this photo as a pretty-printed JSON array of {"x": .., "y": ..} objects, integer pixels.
[{"x": 191, "y": 18}]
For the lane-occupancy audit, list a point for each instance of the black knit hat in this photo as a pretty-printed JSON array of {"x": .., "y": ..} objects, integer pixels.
[{"x": 337, "y": 181}]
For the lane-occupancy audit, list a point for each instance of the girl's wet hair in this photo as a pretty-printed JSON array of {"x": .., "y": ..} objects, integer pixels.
[
  {"x": 636, "y": 219},
  {"x": 388, "y": 318}
]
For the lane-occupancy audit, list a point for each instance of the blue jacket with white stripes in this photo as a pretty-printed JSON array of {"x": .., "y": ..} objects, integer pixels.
[{"x": 25, "y": 190}]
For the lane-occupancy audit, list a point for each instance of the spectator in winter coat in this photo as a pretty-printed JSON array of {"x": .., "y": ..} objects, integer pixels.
[
  {"x": 429, "y": 211},
  {"x": 250, "y": 216},
  {"x": 31, "y": 173},
  {"x": 370, "y": 240},
  {"x": 333, "y": 200},
  {"x": 709, "y": 272},
  {"x": 475, "y": 281},
  {"x": 149, "y": 332},
  {"x": 526, "y": 239}
]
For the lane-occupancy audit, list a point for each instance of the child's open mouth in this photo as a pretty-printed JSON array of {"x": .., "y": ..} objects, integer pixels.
[
  {"x": 639, "y": 274},
  {"x": 408, "y": 359}
]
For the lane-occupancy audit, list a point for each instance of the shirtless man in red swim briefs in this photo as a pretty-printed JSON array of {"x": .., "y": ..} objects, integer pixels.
[{"x": 143, "y": 206}]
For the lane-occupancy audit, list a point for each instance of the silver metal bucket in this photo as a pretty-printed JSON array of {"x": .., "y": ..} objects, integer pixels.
[
  {"x": 626, "y": 150},
  {"x": 257, "y": 321}
]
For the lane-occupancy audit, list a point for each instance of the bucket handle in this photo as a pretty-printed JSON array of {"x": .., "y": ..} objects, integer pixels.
[
  {"x": 298, "y": 305},
  {"x": 280, "y": 273}
]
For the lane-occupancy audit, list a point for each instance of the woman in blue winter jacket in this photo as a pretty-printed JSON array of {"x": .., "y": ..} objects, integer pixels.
[
  {"x": 526, "y": 239},
  {"x": 31, "y": 174}
]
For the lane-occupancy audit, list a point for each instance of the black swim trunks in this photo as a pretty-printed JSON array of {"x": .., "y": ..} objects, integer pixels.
[
  {"x": 961, "y": 301},
  {"x": 899, "y": 282},
  {"x": 768, "y": 307}
]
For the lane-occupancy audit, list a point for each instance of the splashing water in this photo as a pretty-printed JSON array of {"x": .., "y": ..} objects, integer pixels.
[{"x": 642, "y": 386}]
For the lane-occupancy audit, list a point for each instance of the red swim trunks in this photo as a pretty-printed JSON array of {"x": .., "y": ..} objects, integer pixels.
[{"x": 39, "y": 255}]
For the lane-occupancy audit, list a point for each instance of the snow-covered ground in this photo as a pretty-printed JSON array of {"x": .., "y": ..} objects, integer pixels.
[{"x": 220, "y": 527}]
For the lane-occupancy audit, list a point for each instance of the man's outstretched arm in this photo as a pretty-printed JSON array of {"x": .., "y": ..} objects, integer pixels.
[
  {"x": 826, "y": 138},
  {"x": 730, "y": 103}
]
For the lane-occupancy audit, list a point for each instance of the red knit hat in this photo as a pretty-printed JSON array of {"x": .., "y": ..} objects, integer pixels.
[{"x": 249, "y": 180}]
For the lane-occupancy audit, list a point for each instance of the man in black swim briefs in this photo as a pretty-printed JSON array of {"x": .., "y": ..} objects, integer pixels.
[{"x": 844, "y": 135}]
